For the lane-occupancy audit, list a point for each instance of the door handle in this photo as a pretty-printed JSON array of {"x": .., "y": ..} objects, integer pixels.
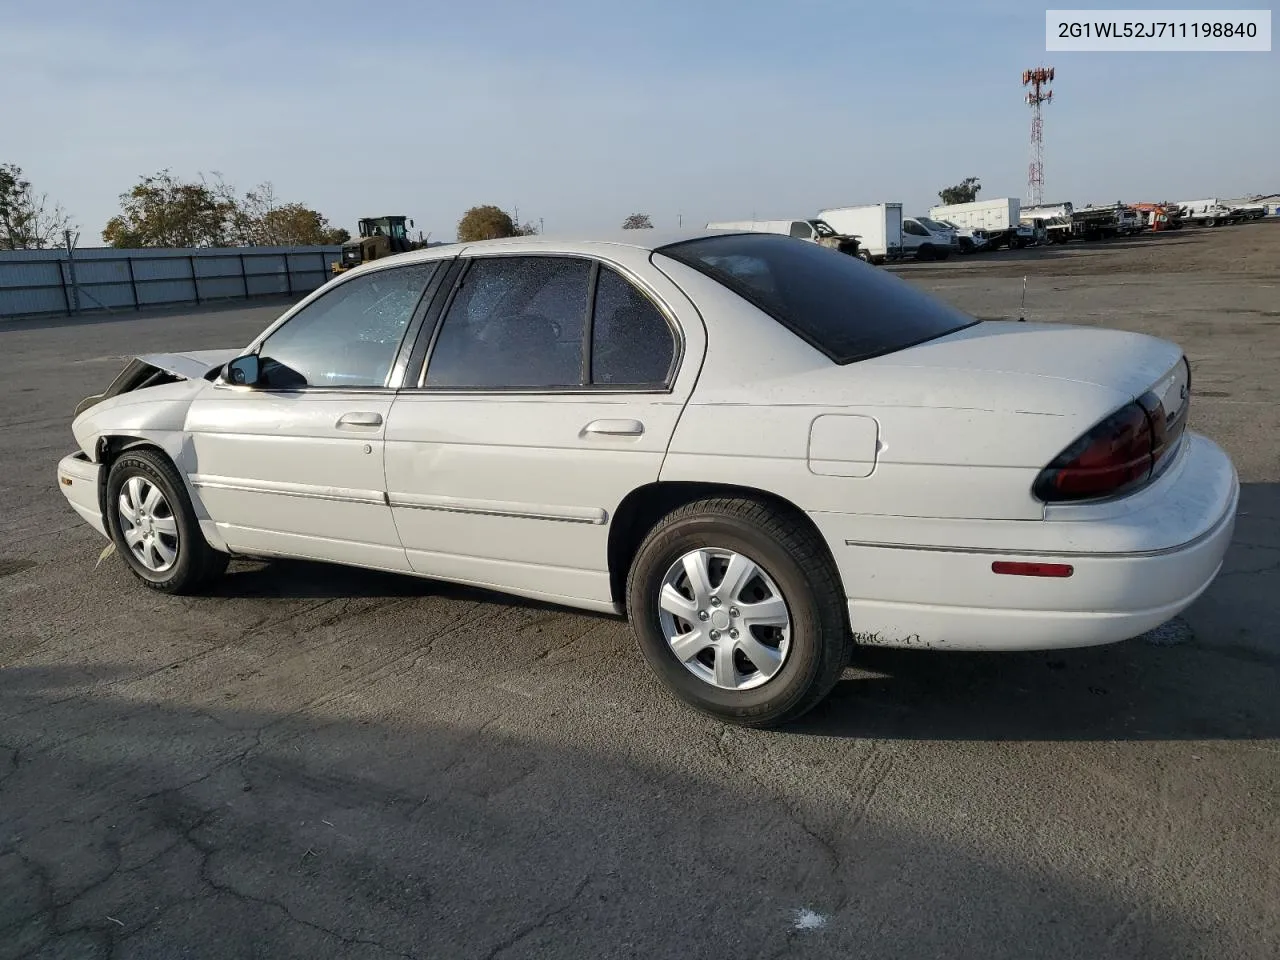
[
  {"x": 360, "y": 420},
  {"x": 615, "y": 428}
]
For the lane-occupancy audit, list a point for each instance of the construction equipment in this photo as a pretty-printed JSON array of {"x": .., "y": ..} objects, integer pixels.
[
  {"x": 1159, "y": 216},
  {"x": 379, "y": 237}
]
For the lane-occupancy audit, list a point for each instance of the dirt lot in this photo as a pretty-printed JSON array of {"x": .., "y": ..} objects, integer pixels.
[{"x": 330, "y": 763}]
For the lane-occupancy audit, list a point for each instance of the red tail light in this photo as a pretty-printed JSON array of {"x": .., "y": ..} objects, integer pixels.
[{"x": 1122, "y": 452}]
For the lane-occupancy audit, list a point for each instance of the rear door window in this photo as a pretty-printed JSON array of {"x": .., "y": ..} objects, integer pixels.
[
  {"x": 631, "y": 343},
  {"x": 515, "y": 322}
]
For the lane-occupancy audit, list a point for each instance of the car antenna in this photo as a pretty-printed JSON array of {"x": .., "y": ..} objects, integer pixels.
[{"x": 1022, "y": 309}]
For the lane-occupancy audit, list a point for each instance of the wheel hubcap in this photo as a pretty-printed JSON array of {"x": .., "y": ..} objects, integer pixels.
[
  {"x": 147, "y": 524},
  {"x": 724, "y": 618}
]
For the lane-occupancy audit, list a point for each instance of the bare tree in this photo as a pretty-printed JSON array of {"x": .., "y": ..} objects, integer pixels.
[
  {"x": 637, "y": 221},
  {"x": 28, "y": 221}
]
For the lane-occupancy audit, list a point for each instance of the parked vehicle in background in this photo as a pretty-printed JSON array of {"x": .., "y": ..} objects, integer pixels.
[
  {"x": 940, "y": 229},
  {"x": 1096, "y": 223},
  {"x": 1112, "y": 219},
  {"x": 921, "y": 243},
  {"x": 1034, "y": 229},
  {"x": 750, "y": 446},
  {"x": 1063, "y": 221},
  {"x": 878, "y": 227},
  {"x": 1208, "y": 212},
  {"x": 1250, "y": 211},
  {"x": 999, "y": 219},
  {"x": 814, "y": 230},
  {"x": 1157, "y": 217},
  {"x": 1056, "y": 219},
  {"x": 967, "y": 240}
]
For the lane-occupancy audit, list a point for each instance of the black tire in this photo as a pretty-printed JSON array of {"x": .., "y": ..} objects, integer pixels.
[
  {"x": 865, "y": 256},
  {"x": 196, "y": 564},
  {"x": 798, "y": 562},
  {"x": 925, "y": 252}
]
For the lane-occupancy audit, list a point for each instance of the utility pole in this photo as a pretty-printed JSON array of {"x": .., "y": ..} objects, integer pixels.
[{"x": 70, "y": 243}]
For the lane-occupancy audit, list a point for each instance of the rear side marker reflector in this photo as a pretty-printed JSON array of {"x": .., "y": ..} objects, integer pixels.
[{"x": 1032, "y": 569}]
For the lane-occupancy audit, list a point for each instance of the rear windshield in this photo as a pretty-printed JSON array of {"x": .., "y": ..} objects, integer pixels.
[{"x": 847, "y": 309}]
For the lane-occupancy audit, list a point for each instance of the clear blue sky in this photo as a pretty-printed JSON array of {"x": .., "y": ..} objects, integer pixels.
[{"x": 583, "y": 111}]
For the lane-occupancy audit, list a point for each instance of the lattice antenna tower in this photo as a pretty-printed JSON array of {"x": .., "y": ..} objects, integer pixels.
[{"x": 1038, "y": 93}]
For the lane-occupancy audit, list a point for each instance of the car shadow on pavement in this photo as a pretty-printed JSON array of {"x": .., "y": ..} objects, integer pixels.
[
  {"x": 305, "y": 580},
  {"x": 139, "y": 825}
]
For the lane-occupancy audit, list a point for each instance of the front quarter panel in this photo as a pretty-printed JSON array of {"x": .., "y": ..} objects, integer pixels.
[{"x": 156, "y": 414}]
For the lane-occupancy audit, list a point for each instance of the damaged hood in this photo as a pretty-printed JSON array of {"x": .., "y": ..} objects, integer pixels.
[
  {"x": 150, "y": 369},
  {"x": 191, "y": 365}
]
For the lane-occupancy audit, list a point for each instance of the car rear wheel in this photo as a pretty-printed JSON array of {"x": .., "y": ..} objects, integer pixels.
[
  {"x": 154, "y": 526},
  {"x": 737, "y": 608}
]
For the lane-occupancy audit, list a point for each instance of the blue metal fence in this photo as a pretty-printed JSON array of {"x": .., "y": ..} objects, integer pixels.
[{"x": 42, "y": 282}]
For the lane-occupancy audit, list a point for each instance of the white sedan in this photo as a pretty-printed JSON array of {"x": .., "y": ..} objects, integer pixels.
[{"x": 761, "y": 450}]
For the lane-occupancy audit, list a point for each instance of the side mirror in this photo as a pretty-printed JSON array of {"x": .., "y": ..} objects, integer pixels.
[{"x": 243, "y": 371}]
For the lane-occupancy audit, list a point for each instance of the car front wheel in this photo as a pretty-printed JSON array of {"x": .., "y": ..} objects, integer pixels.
[
  {"x": 154, "y": 526},
  {"x": 737, "y": 608}
]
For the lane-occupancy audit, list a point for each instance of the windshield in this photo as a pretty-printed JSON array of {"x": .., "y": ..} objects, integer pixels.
[
  {"x": 823, "y": 228},
  {"x": 937, "y": 225},
  {"x": 845, "y": 308}
]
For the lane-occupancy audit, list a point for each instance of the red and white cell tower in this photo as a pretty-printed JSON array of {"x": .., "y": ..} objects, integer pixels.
[{"x": 1039, "y": 93}]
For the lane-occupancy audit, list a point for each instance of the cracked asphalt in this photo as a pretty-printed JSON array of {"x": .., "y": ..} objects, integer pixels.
[{"x": 318, "y": 762}]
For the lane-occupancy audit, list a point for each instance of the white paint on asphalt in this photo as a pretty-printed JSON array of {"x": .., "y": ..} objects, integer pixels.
[{"x": 806, "y": 919}]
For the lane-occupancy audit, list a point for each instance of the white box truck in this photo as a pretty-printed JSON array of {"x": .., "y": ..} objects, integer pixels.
[
  {"x": 814, "y": 230},
  {"x": 999, "y": 220},
  {"x": 878, "y": 227}
]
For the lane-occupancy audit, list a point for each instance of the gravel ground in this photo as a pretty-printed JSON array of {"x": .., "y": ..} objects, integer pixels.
[{"x": 319, "y": 762}]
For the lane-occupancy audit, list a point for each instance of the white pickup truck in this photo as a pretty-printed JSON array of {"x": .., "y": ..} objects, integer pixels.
[{"x": 815, "y": 230}]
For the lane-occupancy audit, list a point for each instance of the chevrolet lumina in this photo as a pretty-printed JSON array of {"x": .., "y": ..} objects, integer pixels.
[{"x": 757, "y": 449}]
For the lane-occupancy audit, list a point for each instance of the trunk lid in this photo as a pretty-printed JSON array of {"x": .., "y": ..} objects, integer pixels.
[{"x": 1129, "y": 363}]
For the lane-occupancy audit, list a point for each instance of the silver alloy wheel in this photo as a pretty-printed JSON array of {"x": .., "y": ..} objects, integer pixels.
[
  {"x": 724, "y": 619},
  {"x": 148, "y": 525}
]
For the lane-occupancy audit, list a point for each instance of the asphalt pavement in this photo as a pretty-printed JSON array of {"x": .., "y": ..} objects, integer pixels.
[{"x": 322, "y": 762}]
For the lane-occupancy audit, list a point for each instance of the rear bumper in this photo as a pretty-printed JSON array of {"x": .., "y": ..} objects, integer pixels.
[
  {"x": 78, "y": 480},
  {"x": 1135, "y": 562}
]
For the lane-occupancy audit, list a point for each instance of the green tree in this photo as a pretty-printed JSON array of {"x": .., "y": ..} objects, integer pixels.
[
  {"x": 637, "y": 221},
  {"x": 490, "y": 223},
  {"x": 296, "y": 225},
  {"x": 27, "y": 220},
  {"x": 163, "y": 211},
  {"x": 966, "y": 191}
]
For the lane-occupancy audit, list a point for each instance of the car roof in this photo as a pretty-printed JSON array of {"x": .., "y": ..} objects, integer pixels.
[{"x": 577, "y": 243}]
